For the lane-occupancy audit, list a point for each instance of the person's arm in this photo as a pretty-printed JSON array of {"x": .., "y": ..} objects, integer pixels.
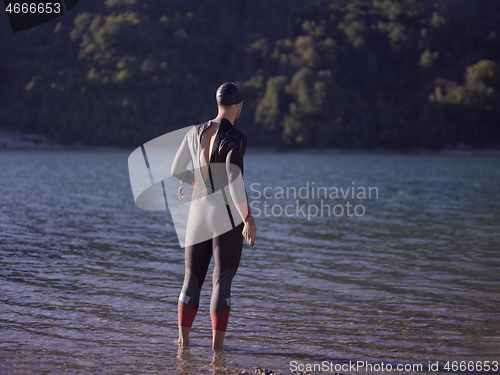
[
  {"x": 181, "y": 161},
  {"x": 234, "y": 168}
]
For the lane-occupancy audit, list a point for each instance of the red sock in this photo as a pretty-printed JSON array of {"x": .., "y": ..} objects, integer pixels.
[
  {"x": 185, "y": 315},
  {"x": 219, "y": 320}
]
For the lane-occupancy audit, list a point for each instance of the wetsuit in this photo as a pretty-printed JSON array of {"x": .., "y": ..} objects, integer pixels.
[{"x": 208, "y": 214}]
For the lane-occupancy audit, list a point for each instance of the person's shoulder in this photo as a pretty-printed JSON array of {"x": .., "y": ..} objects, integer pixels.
[
  {"x": 236, "y": 140},
  {"x": 197, "y": 129},
  {"x": 191, "y": 132},
  {"x": 235, "y": 134},
  {"x": 202, "y": 126}
]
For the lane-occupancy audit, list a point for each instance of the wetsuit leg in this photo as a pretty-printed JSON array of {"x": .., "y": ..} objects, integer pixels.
[
  {"x": 197, "y": 260},
  {"x": 227, "y": 254}
]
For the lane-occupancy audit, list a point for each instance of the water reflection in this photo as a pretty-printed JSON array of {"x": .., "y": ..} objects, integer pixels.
[
  {"x": 220, "y": 363},
  {"x": 184, "y": 366},
  {"x": 92, "y": 282}
]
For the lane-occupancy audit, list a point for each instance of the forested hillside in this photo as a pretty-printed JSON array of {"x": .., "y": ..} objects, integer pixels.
[{"x": 393, "y": 74}]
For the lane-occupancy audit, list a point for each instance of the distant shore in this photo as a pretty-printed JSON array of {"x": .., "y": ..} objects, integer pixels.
[{"x": 17, "y": 141}]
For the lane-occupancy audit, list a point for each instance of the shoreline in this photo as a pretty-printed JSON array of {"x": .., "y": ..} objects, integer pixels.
[
  {"x": 36, "y": 142},
  {"x": 12, "y": 141}
]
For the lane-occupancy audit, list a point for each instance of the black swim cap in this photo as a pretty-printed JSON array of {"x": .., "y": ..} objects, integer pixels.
[{"x": 228, "y": 94}]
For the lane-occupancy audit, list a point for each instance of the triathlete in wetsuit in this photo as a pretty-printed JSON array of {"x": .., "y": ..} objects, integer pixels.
[{"x": 215, "y": 149}]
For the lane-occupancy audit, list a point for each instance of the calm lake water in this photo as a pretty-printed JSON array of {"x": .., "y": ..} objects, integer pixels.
[{"x": 411, "y": 274}]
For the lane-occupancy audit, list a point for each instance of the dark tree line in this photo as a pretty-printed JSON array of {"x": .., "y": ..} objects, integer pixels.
[{"x": 396, "y": 74}]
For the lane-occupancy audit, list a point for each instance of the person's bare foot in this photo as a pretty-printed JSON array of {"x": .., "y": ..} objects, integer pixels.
[
  {"x": 218, "y": 340},
  {"x": 183, "y": 336}
]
